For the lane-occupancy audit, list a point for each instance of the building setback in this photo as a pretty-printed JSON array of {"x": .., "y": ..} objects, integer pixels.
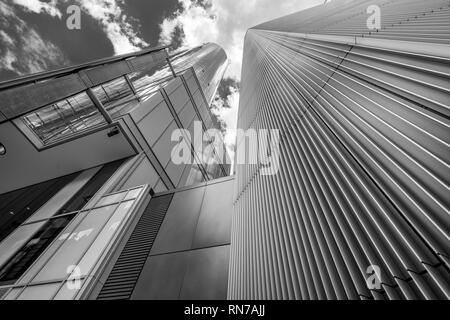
[{"x": 363, "y": 180}]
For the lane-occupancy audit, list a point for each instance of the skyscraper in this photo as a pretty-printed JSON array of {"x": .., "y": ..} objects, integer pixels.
[
  {"x": 84, "y": 148},
  {"x": 359, "y": 208}
]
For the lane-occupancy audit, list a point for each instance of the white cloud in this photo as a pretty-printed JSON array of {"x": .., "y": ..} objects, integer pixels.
[
  {"x": 229, "y": 115},
  {"x": 37, "y": 6},
  {"x": 22, "y": 49},
  {"x": 6, "y": 38},
  {"x": 225, "y": 23},
  {"x": 7, "y": 60},
  {"x": 107, "y": 12},
  {"x": 118, "y": 30}
]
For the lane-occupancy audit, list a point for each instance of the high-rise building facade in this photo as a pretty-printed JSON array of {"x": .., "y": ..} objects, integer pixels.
[
  {"x": 359, "y": 208},
  {"x": 84, "y": 149},
  {"x": 93, "y": 206}
]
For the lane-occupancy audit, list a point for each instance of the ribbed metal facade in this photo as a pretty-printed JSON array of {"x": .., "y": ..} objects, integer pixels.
[{"x": 364, "y": 155}]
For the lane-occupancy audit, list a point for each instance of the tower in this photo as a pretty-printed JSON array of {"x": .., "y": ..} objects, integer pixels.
[{"x": 359, "y": 206}]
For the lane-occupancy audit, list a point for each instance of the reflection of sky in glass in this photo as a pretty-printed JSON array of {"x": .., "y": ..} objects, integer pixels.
[
  {"x": 77, "y": 250},
  {"x": 208, "y": 61},
  {"x": 77, "y": 113},
  {"x": 65, "y": 117},
  {"x": 116, "y": 96},
  {"x": 147, "y": 82}
]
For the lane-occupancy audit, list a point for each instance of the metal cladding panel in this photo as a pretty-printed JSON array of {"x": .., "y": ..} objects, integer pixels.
[
  {"x": 156, "y": 58},
  {"x": 364, "y": 155},
  {"x": 21, "y": 100},
  {"x": 179, "y": 226},
  {"x": 107, "y": 72}
]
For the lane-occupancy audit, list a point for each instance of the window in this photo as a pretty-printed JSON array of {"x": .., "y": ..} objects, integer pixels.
[
  {"x": 32, "y": 249},
  {"x": 18, "y": 205},
  {"x": 116, "y": 96},
  {"x": 76, "y": 250},
  {"x": 63, "y": 118},
  {"x": 147, "y": 82},
  {"x": 31, "y": 238}
]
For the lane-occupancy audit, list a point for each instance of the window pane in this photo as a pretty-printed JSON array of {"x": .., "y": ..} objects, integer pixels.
[
  {"x": 63, "y": 118},
  {"x": 133, "y": 193},
  {"x": 116, "y": 96},
  {"x": 69, "y": 290},
  {"x": 111, "y": 199},
  {"x": 18, "y": 206},
  {"x": 16, "y": 240},
  {"x": 147, "y": 82},
  {"x": 104, "y": 238},
  {"x": 163, "y": 147},
  {"x": 39, "y": 292},
  {"x": 75, "y": 244},
  {"x": 159, "y": 187},
  {"x": 195, "y": 176},
  {"x": 41, "y": 261},
  {"x": 22, "y": 260},
  {"x": 12, "y": 294}
]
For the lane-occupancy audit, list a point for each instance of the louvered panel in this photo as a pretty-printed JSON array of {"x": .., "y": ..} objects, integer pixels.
[
  {"x": 364, "y": 157},
  {"x": 125, "y": 273}
]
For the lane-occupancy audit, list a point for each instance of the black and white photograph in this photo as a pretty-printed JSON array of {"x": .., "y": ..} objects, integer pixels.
[{"x": 224, "y": 158}]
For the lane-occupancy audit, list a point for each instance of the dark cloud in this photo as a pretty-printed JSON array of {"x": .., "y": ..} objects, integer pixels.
[
  {"x": 226, "y": 88},
  {"x": 75, "y": 46},
  {"x": 177, "y": 38},
  {"x": 88, "y": 43},
  {"x": 219, "y": 123},
  {"x": 207, "y": 4},
  {"x": 148, "y": 15},
  {"x": 23, "y": 50}
]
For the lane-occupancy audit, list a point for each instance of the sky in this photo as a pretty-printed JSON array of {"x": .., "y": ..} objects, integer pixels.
[{"x": 34, "y": 36}]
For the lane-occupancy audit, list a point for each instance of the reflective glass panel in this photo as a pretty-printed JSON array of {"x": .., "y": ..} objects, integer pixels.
[
  {"x": 39, "y": 292},
  {"x": 133, "y": 193},
  {"x": 69, "y": 289},
  {"x": 116, "y": 197},
  {"x": 116, "y": 96},
  {"x": 43, "y": 258},
  {"x": 75, "y": 244},
  {"x": 12, "y": 294},
  {"x": 147, "y": 82},
  {"x": 23, "y": 258},
  {"x": 63, "y": 118},
  {"x": 104, "y": 237}
]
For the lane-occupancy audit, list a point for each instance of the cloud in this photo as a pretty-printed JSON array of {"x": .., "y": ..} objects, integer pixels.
[
  {"x": 37, "y": 6},
  {"x": 22, "y": 49},
  {"x": 115, "y": 23},
  {"x": 225, "y": 109},
  {"x": 224, "y": 22}
]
